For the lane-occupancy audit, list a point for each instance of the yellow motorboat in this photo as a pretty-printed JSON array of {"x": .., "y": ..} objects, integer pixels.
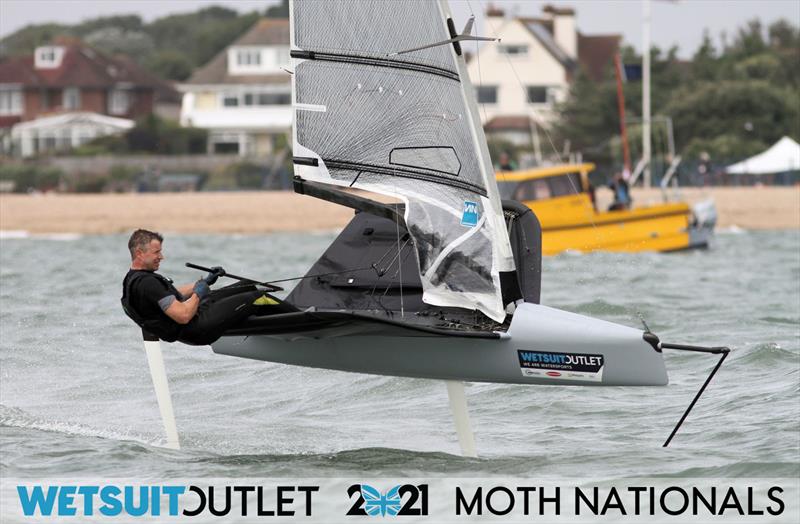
[{"x": 563, "y": 200}]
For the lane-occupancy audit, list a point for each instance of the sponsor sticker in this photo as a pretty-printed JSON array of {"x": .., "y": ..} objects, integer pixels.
[
  {"x": 471, "y": 214},
  {"x": 561, "y": 366}
]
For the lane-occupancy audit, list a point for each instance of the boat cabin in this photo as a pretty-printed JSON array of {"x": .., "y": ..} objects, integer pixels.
[{"x": 555, "y": 193}]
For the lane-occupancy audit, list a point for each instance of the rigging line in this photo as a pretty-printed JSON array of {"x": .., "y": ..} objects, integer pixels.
[
  {"x": 322, "y": 274},
  {"x": 399, "y": 251},
  {"x": 478, "y": 58},
  {"x": 355, "y": 179},
  {"x": 389, "y": 283},
  {"x": 373, "y": 266},
  {"x": 400, "y": 264},
  {"x": 538, "y": 121},
  {"x": 537, "y": 117}
]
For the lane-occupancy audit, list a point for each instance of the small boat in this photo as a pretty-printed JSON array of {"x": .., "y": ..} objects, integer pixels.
[
  {"x": 445, "y": 284},
  {"x": 561, "y": 197}
]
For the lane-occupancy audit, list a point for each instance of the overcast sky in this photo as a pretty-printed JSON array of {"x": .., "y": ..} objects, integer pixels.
[{"x": 675, "y": 22}]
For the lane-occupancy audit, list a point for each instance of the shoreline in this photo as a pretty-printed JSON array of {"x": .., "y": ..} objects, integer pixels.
[{"x": 756, "y": 208}]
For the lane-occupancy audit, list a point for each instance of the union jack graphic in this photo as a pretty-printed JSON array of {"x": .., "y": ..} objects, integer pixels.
[{"x": 376, "y": 503}]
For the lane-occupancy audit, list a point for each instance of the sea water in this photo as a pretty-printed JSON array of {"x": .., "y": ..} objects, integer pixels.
[{"x": 76, "y": 399}]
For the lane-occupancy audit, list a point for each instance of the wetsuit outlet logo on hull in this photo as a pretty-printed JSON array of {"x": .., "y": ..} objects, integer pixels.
[{"x": 561, "y": 366}]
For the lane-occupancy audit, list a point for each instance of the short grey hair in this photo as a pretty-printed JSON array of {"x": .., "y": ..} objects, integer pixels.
[{"x": 140, "y": 239}]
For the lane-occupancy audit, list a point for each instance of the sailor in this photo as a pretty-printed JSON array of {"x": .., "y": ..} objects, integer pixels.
[
  {"x": 505, "y": 163},
  {"x": 191, "y": 313},
  {"x": 622, "y": 195}
]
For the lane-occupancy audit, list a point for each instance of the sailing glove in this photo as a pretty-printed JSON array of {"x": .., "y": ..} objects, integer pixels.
[
  {"x": 201, "y": 289},
  {"x": 216, "y": 272}
]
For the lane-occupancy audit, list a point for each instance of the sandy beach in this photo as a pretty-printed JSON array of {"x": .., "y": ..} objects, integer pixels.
[{"x": 268, "y": 211}]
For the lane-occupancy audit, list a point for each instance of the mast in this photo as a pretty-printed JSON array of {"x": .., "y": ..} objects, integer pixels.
[
  {"x": 646, "y": 90},
  {"x": 626, "y": 153},
  {"x": 505, "y": 257}
]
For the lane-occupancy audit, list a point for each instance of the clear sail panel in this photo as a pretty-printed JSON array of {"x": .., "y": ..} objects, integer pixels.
[{"x": 401, "y": 125}]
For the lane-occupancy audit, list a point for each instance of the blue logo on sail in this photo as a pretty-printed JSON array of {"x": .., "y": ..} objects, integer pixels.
[
  {"x": 376, "y": 504},
  {"x": 470, "y": 216}
]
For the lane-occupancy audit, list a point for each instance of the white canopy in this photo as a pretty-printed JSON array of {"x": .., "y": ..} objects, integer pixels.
[{"x": 783, "y": 156}]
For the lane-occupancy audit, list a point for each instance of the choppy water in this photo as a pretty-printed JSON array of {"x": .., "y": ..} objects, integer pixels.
[{"x": 76, "y": 397}]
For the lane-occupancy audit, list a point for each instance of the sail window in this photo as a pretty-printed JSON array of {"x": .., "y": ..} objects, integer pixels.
[{"x": 440, "y": 159}]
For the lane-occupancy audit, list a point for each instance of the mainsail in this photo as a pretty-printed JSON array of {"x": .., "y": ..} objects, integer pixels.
[{"x": 405, "y": 126}]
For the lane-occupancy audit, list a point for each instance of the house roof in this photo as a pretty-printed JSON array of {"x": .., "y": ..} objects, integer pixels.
[
  {"x": 267, "y": 31},
  {"x": 596, "y": 52},
  {"x": 545, "y": 37},
  {"x": 508, "y": 123},
  {"x": 81, "y": 66}
]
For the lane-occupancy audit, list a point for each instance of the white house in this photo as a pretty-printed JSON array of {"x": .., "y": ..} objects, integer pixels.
[
  {"x": 243, "y": 95},
  {"x": 521, "y": 77}
]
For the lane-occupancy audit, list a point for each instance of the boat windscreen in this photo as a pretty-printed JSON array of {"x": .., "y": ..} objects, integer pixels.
[{"x": 543, "y": 188}]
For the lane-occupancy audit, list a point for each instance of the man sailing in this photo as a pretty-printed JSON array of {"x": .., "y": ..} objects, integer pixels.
[{"x": 191, "y": 313}]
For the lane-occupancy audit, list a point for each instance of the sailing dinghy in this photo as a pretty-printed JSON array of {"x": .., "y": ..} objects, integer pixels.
[{"x": 446, "y": 283}]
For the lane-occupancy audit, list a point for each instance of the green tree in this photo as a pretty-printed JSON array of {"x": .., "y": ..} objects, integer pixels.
[
  {"x": 720, "y": 116},
  {"x": 278, "y": 11},
  {"x": 170, "y": 64}
]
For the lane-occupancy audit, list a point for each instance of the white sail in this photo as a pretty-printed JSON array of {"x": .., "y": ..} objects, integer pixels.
[{"x": 402, "y": 125}]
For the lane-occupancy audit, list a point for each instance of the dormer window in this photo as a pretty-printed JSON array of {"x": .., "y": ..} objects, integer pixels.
[
  {"x": 257, "y": 60},
  {"x": 48, "y": 57},
  {"x": 248, "y": 58}
]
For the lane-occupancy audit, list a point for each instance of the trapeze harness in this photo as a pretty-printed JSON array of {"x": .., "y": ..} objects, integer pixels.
[{"x": 162, "y": 326}]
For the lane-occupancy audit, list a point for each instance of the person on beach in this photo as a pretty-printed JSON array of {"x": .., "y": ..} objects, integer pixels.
[{"x": 191, "y": 313}]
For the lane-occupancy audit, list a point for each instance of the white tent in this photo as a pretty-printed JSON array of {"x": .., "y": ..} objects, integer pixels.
[{"x": 783, "y": 156}]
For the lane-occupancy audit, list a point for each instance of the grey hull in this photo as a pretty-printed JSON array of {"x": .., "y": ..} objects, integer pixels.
[{"x": 536, "y": 349}]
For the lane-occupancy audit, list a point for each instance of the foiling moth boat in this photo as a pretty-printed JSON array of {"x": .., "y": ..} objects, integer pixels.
[
  {"x": 446, "y": 284},
  {"x": 561, "y": 198}
]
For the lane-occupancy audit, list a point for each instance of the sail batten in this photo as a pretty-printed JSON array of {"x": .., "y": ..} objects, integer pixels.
[
  {"x": 403, "y": 128},
  {"x": 376, "y": 61}
]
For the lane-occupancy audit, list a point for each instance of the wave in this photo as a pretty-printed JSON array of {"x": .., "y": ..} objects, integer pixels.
[
  {"x": 17, "y": 418},
  {"x": 21, "y": 234},
  {"x": 767, "y": 353},
  {"x": 742, "y": 470},
  {"x": 600, "y": 307},
  {"x": 6, "y": 234},
  {"x": 730, "y": 230}
]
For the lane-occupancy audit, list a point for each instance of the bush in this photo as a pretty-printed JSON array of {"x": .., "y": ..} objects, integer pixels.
[
  {"x": 31, "y": 177},
  {"x": 247, "y": 175},
  {"x": 152, "y": 135}
]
